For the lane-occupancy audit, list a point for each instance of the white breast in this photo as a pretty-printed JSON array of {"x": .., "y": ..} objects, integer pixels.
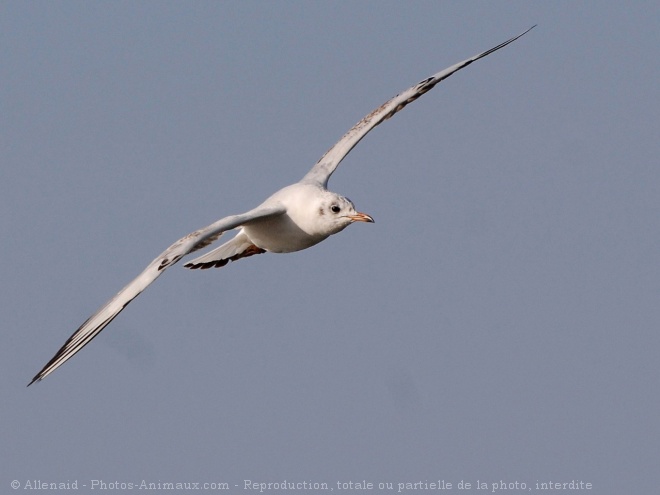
[{"x": 280, "y": 235}]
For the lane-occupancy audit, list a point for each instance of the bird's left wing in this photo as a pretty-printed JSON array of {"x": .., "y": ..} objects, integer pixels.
[
  {"x": 186, "y": 245},
  {"x": 327, "y": 164}
]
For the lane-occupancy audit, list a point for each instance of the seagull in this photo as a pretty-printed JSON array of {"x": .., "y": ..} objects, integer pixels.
[{"x": 294, "y": 218}]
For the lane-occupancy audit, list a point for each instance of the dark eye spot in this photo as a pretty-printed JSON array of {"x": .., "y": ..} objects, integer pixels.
[{"x": 335, "y": 208}]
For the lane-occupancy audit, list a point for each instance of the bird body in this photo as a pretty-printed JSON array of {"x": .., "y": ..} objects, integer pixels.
[
  {"x": 303, "y": 216},
  {"x": 309, "y": 219},
  {"x": 294, "y": 218}
]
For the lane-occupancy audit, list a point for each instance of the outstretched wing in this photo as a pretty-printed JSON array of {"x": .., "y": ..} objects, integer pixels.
[
  {"x": 106, "y": 313},
  {"x": 323, "y": 169}
]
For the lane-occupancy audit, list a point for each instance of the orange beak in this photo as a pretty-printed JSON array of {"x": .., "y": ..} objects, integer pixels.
[{"x": 361, "y": 217}]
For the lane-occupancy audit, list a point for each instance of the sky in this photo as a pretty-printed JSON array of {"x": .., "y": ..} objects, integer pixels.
[{"x": 497, "y": 324}]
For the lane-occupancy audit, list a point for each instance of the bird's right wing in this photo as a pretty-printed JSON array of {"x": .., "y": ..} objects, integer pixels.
[
  {"x": 186, "y": 245},
  {"x": 323, "y": 169}
]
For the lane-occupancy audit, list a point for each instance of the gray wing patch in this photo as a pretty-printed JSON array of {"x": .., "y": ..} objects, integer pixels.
[
  {"x": 106, "y": 313},
  {"x": 327, "y": 164}
]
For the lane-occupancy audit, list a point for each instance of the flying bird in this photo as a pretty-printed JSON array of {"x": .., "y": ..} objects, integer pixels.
[{"x": 294, "y": 218}]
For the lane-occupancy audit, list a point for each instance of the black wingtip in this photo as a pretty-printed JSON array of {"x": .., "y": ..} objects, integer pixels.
[
  {"x": 208, "y": 264},
  {"x": 35, "y": 379}
]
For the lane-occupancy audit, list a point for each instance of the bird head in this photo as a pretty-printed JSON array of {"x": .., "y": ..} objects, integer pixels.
[{"x": 334, "y": 213}]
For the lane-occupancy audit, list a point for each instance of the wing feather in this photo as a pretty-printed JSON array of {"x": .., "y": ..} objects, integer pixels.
[
  {"x": 327, "y": 164},
  {"x": 106, "y": 313}
]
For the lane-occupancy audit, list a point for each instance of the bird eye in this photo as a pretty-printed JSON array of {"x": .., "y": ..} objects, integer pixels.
[{"x": 335, "y": 208}]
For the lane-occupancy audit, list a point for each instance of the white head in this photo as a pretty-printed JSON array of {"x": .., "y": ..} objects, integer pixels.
[
  {"x": 319, "y": 212},
  {"x": 335, "y": 212}
]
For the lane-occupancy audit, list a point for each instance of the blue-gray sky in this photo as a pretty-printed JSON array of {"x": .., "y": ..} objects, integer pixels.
[{"x": 499, "y": 321}]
